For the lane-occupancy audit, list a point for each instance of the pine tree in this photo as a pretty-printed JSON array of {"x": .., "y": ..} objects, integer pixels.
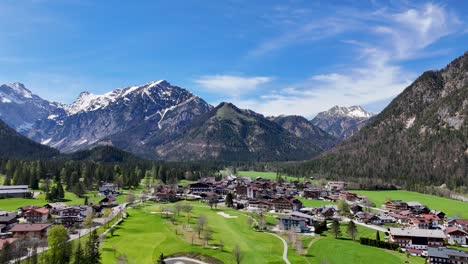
[
  {"x": 229, "y": 200},
  {"x": 352, "y": 230},
  {"x": 335, "y": 228},
  {"x": 79, "y": 254},
  {"x": 92, "y": 254},
  {"x": 377, "y": 236}
]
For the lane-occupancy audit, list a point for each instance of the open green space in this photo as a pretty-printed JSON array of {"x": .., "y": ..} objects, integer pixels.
[
  {"x": 338, "y": 251},
  {"x": 12, "y": 204},
  {"x": 145, "y": 234},
  {"x": 327, "y": 249},
  {"x": 266, "y": 175},
  {"x": 448, "y": 206},
  {"x": 313, "y": 202}
]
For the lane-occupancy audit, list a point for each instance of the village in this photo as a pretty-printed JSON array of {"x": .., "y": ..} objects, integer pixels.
[{"x": 409, "y": 226}]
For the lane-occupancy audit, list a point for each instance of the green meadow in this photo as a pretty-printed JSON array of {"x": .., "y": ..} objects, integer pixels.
[
  {"x": 448, "y": 206},
  {"x": 266, "y": 175},
  {"x": 146, "y": 233}
]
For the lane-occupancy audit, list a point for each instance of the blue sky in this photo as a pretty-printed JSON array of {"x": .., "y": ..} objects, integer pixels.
[{"x": 275, "y": 57}]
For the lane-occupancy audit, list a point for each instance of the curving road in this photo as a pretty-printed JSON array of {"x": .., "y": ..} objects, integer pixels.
[
  {"x": 285, "y": 244},
  {"x": 285, "y": 250}
]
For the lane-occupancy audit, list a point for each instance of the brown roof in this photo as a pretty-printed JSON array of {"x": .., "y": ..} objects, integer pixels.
[
  {"x": 462, "y": 221},
  {"x": 29, "y": 227}
]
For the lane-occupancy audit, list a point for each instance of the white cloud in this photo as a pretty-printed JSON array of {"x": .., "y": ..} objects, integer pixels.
[
  {"x": 377, "y": 80},
  {"x": 231, "y": 85},
  {"x": 375, "y": 75},
  {"x": 413, "y": 30},
  {"x": 308, "y": 32}
]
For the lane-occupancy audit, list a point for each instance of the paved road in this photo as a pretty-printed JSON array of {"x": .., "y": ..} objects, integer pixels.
[
  {"x": 375, "y": 227},
  {"x": 285, "y": 244},
  {"x": 82, "y": 232},
  {"x": 285, "y": 248}
]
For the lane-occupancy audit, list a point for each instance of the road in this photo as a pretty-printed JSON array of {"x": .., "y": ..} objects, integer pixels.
[
  {"x": 82, "y": 232},
  {"x": 375, "y": 227},
  {"x": 285, "y": 244},
  {"x": 285, "y": 248}
]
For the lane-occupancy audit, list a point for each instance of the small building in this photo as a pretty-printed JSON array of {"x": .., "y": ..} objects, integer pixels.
[
  {"x": 417, "y": 238},
  {"x": 396, "y": 205},
  {"x": 446, "y": 256},
  {"x": 456, "y": 236},
  {"x": 39, "y": 231},
  {"x": 199, "y": 188},
  {"x": 14, "y": 191},
  {"x": 108, "y": 202},
  {"x": 283, "y": 203},
  {"x": 259, "y": 205},
  {"x": 8, "y": 219},
  {"x": 108, "y": 189},
  {"x": 241, "y": 191},
  {"x": 68, "y": 216},
  {"x": 307, "y": 218},
  {"x": 36, "y": 215},
  {"x": 295, "y": 224},
  {"x": 335, "y": 186}
]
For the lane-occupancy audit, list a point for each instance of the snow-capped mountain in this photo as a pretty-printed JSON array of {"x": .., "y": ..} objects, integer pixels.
[
  {"x": 95, "y": 118},
  {"x": 341, "y": 121},
  {"x": 20, "y": 108}
]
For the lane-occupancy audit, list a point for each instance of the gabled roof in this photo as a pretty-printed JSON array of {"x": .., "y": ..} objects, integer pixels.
[
  {"x": 417, "y": 232},
  {"x": 29, "y": 227}
]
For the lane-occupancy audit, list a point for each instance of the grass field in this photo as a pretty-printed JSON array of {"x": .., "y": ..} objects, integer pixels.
[
  {"x": 327, "y": 249},
  {"x": 313, "y": 202},
  {"x": 12, "y": 204},
  {"x": 144, "y": 236},
  {"x": 266, "y": 175},
  {"x": 337, "y": 251},
  {"x": 448, "y": 206}
]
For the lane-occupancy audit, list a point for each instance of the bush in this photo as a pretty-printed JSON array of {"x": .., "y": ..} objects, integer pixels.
[{"x": 378, "y": 243}]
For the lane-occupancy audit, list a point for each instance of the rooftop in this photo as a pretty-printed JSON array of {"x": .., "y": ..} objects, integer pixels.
[{"x": 417, "y": 232}]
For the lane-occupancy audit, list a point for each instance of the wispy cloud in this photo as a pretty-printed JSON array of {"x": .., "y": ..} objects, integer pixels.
[
  {"x": 375, "y": 81},
  {"x": 231, "y": 85},
  {"x": 410, "y": 32},
  {"x": 308, "y": 32},
  {"x": 376, "y": 74}
]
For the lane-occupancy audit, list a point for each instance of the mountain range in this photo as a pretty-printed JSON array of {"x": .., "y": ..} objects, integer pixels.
[
  {"x": 342, "y": 122},
  {"x": 158, "y": 120},
  {"x": 420, "y": 137}
]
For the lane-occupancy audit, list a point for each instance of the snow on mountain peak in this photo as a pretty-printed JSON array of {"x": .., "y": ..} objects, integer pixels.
[
  {"x": 351, "y": 111},
  {"x": 89, "y": 102},
  {"x": 19, "y": 89}
]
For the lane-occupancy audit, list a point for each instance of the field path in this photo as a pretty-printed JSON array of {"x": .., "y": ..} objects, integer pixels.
[
  {"x": 285, "y": 244},
  {"x": 285, "y": 250}
]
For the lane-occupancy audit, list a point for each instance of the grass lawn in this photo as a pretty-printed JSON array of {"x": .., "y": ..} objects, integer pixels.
[
  {"x": 144, "y": 236},
  {"x": 337, "y": 251},
  {"x": 448, "y": 206},
  {"x": 12, "y": 204},
  {"x": 265, "y": 175},
  {"x": 313, "y": 202},
  {"x": 343, "y": 250},
  {"x": 185, "y": 182}
]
